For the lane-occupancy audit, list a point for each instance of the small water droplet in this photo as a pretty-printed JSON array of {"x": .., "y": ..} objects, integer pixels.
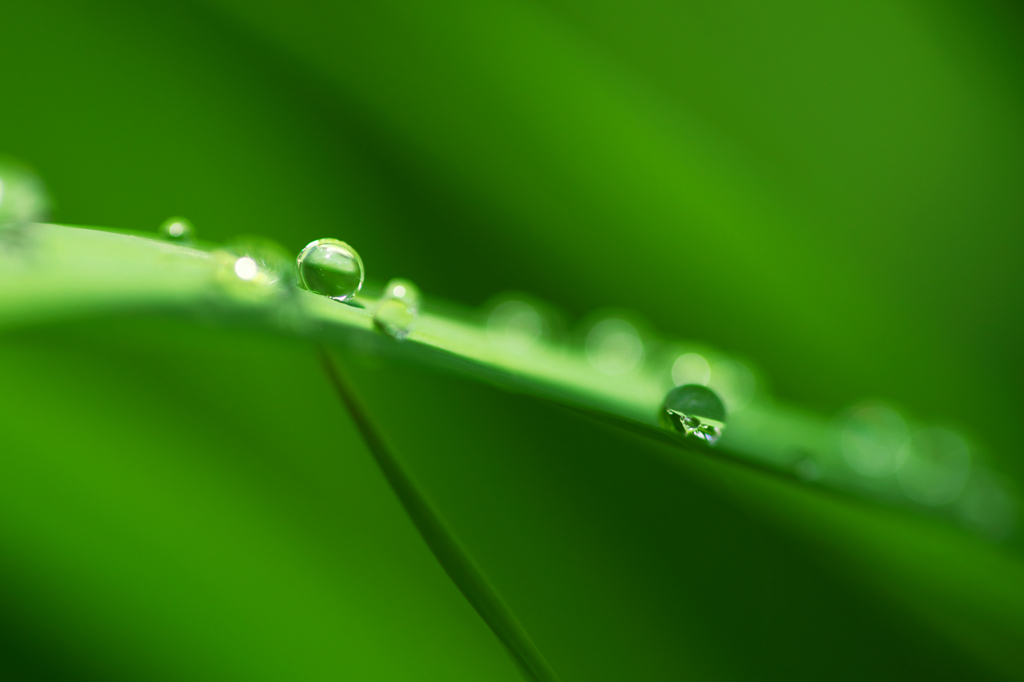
[
  {"x": 254, "y": 269},
  {"x": 331, "y": 268},
  {"x": 691, "y": 368},
  {"x": 614, "y": 347},
  {"x": 871, "y": 440},
  {"x": 23, "y": 196},
  {"x": 694, "y": 410},
  {"x": 987, "y": 504},
  {"x": 273, "y": 263},
  {"x": 403, "y": 290},
  {"x": 178, "y": 229},
  {"x": 397, "y": 310},
  {"x": 394, "y": 317},
  {"x": 934, "y": 466},
  {"x": 515, "y": 326},
  {"x": 806, "y": 469}
]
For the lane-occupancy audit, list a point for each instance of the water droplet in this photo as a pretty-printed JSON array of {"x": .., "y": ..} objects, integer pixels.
[
  {"x": 806, "y": 469},
  {"x": 694, "y": 410},
  {"x": 178, "y": 229},
  {"x": 331, "y": 268},
  {"x": 871, "y": 440},
  {"x": 397, "y": 310},
  {"x": 23, "y": 196},
  {"x": 394, "y": 317},
  {"x": 691, "y": 368},
  {"x": 273, "y": 263},
  {"x": 614, "y": 347},
  {"x": 987, "y": 504},
  {"x": 734, "y": 382},
  {"x": 515, "y": 326},
  {"x": 404, "y": 290},
  {"x": 254, "y": 269},
  {"x": 934, "y": 466}
]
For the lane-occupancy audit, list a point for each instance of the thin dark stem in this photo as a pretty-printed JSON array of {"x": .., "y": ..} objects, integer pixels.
[{"x": 450, "y": 553}]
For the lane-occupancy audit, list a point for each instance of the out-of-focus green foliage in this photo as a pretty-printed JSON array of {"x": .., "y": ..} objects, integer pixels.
[
  {"x": 625, "y": 560},
  {"x": 182, "y": 504},
  {"x": 834, "y": 192}
]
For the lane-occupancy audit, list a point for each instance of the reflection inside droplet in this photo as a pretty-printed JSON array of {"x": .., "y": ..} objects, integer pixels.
[
  {"x": 691, "y": 368},
  {"x": 614, "y": 347},
  {"x": 934, "y": 466},
  {"x": 694, "y": 410},
  {"x": 178, "y": 229},
  {"x": 332, "y": 268},
  {"x": 254, "y": 269},
  {"x": 246, "y": 268},
  {"x": 871, "y": 439},
  {"x": 273, "y": 263},
  {"x": 403, "y": 290},
  {"x": 396, "y": 312}
]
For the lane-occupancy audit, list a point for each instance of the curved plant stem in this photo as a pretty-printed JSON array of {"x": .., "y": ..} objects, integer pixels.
[
  {"x": 52, "y": 271},
  {"x": 450, "y": 553}
]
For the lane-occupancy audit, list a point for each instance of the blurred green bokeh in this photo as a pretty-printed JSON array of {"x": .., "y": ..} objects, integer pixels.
[{"x": 834, "y": 192}]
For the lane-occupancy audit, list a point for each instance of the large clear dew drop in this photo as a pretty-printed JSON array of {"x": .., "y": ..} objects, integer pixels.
[
  {"x": 395, "y": 314},
  {"x": 23, "y": 196},
  {"x": 694, "y": 410},
  {"x": 331, "y": 268}
]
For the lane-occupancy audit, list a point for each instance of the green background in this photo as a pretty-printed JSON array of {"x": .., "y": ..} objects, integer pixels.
[{"x": 834, "y": 192}]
